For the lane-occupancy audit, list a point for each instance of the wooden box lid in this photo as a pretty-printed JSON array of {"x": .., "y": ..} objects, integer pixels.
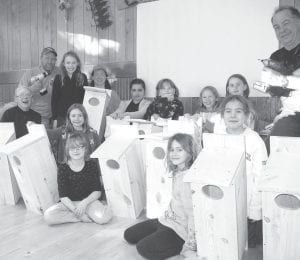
[
  {"x": 7, "y": 133},
  {"x": 216, "y": 166},
  {"x": 282, "y": 173},
  {"x": 113, "y": 147},
  {"x": 21, "y": 142}
]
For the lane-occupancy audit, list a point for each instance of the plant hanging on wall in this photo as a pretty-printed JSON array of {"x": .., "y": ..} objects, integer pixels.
[
  {"x": 100, "y": 13},
  {"x": 66, "y": 6},
  {"x": 122, "y": 4}
]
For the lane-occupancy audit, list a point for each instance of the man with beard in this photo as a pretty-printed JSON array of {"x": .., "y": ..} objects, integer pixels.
[{"x": 40, "y": 80}]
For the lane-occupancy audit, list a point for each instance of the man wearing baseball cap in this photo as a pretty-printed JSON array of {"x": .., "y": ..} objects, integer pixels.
[{"x": 40, "y": 80}]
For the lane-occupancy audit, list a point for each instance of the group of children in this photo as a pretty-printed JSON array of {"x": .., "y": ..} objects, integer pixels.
[
  {"x": 80, "y": 189},
  {"x": 174, "y": 233}
]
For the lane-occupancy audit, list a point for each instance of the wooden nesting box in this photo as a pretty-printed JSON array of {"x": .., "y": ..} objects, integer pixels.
[
  {"x": 7, "y": 133},
  {"x": 95, "y": 102},
  {"x": 9, "y": 190},
  {"x": 35, "y": 170},
  {"x": 281, "y": 200},
  {"x": 284, "y": 144},
  {"x": 219, "y": 194},
  {"x": 38, "y": 130},
  {"x": 182, "y": 125},
  {"x": 186, "y": 126},
  {"x": 144, "y": 126},
  {"x": 158, "y": 180},
  {"x": 118, "y": 126},
  {"x": 122, "y": 174},
  {"x": 223, "y": 141},
  {"x": 121, "y": 127}
]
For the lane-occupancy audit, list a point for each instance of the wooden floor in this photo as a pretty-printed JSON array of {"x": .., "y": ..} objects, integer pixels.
[{"x": 24, "y": 235}]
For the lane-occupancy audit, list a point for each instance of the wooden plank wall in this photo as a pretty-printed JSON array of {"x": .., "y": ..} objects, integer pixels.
[
  {"x": 29, "y": 25},
  {"x": 26, "y": 26}
]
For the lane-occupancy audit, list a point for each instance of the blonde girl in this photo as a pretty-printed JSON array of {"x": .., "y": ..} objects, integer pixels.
[
  {"x": 209, "y": 103},
  {"x": 67, "y": 87}
]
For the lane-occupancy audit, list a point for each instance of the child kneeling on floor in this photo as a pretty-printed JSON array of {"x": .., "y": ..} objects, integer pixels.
[
  {"x": 173, "y": 233},
  {"x": 79, "y": 187}
]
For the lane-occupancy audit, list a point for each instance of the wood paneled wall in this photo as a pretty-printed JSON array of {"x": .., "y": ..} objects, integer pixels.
[
  {"x": 27, "y": 26},
  {"x": 295, "y": 3}
]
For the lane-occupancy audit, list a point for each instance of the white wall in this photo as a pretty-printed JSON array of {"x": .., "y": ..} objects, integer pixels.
[{"x": 202, "y": 42}]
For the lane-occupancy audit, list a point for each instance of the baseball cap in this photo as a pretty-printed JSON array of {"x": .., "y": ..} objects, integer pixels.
[{"x": 48, "y": 50}]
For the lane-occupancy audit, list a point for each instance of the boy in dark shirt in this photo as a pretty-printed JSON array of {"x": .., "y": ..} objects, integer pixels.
[{"x": 21, "y": 114}]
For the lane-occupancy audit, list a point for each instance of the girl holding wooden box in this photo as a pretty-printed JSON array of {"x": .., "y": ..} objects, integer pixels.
[{"x": 208, "y": 107}]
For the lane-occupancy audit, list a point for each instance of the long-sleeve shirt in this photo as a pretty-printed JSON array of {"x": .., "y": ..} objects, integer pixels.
[
  {"x": 179, "y": 216},
  {"x": 164, "y": 108},
  {"x": 40, "y": 103},
  {"x": 256, "y": 157},
  {"x": 65, "y": 93},
  {"x": 205, "y": 114},
  {"x": 290, "y": 62},
  {"x": 142, "y": 107},
  {"x": 113, "y": 103},
  {"x": 58, "y": 138}
]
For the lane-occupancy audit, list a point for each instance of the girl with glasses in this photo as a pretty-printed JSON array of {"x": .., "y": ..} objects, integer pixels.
[{"x": 79, "y": 187}]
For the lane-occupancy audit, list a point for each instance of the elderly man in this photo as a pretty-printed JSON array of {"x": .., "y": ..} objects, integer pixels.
[
  {"x": 21, "y": 114},
  {"x": 286, "y": 23},
  {"x": 40, "y": 80}
]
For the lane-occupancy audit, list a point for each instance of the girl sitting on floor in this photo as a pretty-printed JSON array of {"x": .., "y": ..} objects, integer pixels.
[
  {"x": 166, "y": 104},
  {"x": 235, "y": 111},
  {"x": 173, "y": 233},
  {"x": 79, "y": 187}
]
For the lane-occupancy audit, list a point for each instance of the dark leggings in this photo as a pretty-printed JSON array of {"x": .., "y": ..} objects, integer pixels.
[
  {"x": 287, "y": 126},
  {"x": 154, "y": 240},
  {"x": 255, "y": 233}
]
